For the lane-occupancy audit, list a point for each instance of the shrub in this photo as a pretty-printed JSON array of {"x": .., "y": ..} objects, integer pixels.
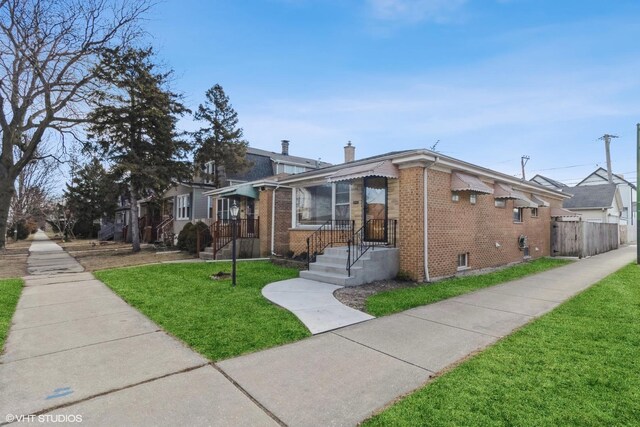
[{"x": 187, "y": 239}]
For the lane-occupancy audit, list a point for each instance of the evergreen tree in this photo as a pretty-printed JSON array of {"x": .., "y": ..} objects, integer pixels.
[
  {"x": 92, "y": 194},
  {"x": 133, "y": 123},
  {"x": 220, "y": 140}
]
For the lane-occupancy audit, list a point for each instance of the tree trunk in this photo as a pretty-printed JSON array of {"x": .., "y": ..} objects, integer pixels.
[
  {"x": 6, "y": 194},
  {"x": 135, "y": 229}
]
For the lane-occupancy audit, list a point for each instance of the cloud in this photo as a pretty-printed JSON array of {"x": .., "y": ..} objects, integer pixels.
[{"x": 414, "y": 11}]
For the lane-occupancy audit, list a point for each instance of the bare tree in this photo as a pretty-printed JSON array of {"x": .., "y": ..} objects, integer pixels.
[
  {"x": 48, "y": 53},
  {"x": 34, "y": 186}
]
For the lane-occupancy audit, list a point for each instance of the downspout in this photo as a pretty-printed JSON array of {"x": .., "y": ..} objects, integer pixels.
[
  {"x": 426, "y": 222},
  {"x": 273, "y": 221}
]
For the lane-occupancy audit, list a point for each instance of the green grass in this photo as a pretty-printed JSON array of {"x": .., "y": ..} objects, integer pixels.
[
  {"x": 576, "y": 366},
  {"x": 212, "y": 317},
  {"x": 9, "y": 294},
  {"x": 398, "y": 300}
]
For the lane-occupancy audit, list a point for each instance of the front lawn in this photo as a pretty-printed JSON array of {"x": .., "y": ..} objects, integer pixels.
[
  {"x": 9, "y": 294},
  {"x": 212, "y": 317},
  {"x": 398, "y": 300},
  {"x": 579, "y": 365}
]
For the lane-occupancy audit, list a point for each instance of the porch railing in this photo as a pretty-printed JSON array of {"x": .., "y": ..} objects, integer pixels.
[
  {"x": 222, "y": 231},
  {"x": 329, "y": 233},
  {"x": 164, "y": 231},
  {"x": 375, "y": 232}
]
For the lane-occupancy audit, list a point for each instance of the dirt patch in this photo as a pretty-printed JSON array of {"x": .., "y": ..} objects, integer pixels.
[
  {"x": 100, "y": 260},
  {"x": 355, "y": 296},
  {"x": 13, "y": 259}
]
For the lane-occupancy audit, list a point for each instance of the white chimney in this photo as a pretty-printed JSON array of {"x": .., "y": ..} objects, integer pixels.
[{"x": 349, "y": 153}]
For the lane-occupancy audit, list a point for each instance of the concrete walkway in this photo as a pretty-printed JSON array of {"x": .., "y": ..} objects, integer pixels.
[
  {"x": 75, "y": 348},
  {"x": 314, "y": 304}
]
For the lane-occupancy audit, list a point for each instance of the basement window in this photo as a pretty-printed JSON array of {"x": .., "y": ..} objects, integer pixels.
[{"x": 463, "y": 261}]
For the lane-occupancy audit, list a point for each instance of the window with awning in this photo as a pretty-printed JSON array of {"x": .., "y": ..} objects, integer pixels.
[
  {"x": 464, "y": 182},
  {"x": 382, "y": 169}
]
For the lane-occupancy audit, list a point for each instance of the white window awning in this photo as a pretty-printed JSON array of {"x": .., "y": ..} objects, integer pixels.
[
  {"x": 541, "y": 202},
  {"x": 384, "y": 169},
  {"x": 563, "y": 213},
  {"x": 463, "y": 182},
  {"x": 504, "y": 191}
]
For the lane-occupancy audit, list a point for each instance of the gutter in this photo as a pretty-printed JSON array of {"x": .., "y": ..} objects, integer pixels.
[{"x": 426, "y": 221}]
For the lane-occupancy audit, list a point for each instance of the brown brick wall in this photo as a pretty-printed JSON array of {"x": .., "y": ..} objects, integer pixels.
[
  {"x": 460, "y": 227},
  {"x": 283, "y": 220},
  {"x": 411, "y": 222},
  {"x": 263, "y": 205}
]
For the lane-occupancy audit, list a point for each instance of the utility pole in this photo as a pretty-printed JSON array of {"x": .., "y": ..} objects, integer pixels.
[
  {"x": 523, "y": 163},
  {"x": 607, "y": 141}
]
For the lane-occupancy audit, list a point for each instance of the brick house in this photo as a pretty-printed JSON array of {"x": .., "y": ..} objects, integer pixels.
[{"x": 436, "y": 215}]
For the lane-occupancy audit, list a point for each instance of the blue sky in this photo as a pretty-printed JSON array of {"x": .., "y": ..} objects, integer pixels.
[{"x": 492, "y": 80}]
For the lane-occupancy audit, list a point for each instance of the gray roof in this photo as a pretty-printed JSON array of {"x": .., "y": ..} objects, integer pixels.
[
  {"x": 279, "y": 157},
  {"x": 553, "y": 182},
  {"x": 591, "y": 196},
  {"x": 262, "y": 166}
]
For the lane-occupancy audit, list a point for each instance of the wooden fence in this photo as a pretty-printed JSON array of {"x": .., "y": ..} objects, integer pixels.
[{"x": 581, "y": 239}]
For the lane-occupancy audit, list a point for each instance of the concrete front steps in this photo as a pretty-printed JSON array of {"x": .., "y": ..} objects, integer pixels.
[{"x": 378, "y": 263}]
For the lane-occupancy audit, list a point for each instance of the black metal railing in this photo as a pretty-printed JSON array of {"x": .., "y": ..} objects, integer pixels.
[
  {"x": 375, "y": 232},
  {"x": 164, "y": 231},
  {"x": 222, "y": 231},
  {"x": 329, "y": 234}
]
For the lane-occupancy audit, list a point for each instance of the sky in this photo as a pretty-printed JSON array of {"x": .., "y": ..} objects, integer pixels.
[{"x": 491, "y": 80}]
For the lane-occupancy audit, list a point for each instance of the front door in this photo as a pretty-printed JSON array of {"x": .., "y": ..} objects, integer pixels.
[
  {"x": 250, "y": 217},
  {"x": 375, "y": 209}
]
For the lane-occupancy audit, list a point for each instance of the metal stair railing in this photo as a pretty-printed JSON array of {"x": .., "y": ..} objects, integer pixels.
[
  {"x": 329, "y": 233},
  {"x": 375, "y": 232},
  {"x": 222, "y": 232}
]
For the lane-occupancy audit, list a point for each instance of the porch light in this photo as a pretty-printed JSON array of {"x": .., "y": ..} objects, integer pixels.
[{"x": 234, "y": 210}]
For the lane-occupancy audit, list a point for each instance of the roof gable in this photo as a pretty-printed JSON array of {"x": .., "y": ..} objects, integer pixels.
[{"x": 602, "y": 175}]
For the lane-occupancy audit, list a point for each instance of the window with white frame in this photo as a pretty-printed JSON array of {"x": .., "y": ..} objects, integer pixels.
[
  {"x": 209, "y": 207},
  {"x": 209, "y": 170},
  {"x": 473, "y": 198},
  {"x": 500, "y": 203},
  {"x": 534, "y": 212},
  {"x": 222, "y": 209},
  {"x": 455, "y": 196},
  {"x": 463, "y": 261},
  {"x": 317, "y": 204},
  {"x": 184, "y": 207},
  {"x": 291, "y": 169},
  {"x": 517, "y": 214},
  {"x": 343, "y": 201}
]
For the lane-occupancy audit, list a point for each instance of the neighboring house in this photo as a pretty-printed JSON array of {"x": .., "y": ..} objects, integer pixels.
[
  {"x": 596, "y": 203},
  {"x": 628, "y": 193},
  {"x": 430, "y": 215},
  {"x": 202, "y": 201},
  {"x": 549, "y": 183}
]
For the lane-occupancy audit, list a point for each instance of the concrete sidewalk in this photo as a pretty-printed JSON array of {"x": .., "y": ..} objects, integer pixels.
[
  {"x": 344, "y": 376},
  {"x": 75, "y": 348}
]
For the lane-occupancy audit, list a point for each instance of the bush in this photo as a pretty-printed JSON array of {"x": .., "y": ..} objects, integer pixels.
[
  {"x": 24, "y": 228},
  {"x": 187, "y": 238}
]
